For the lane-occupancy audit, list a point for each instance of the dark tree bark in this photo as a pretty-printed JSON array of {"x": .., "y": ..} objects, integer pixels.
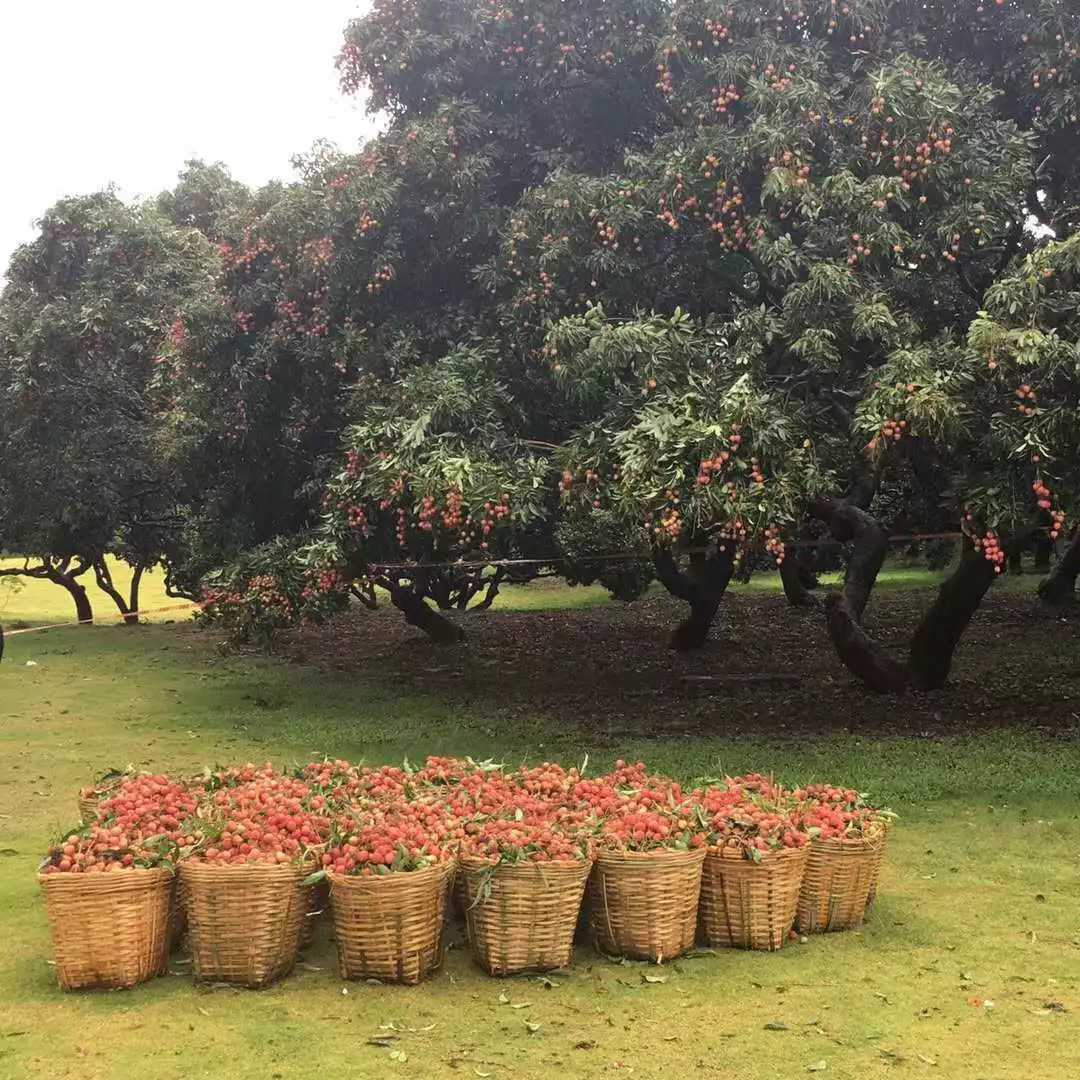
[
  {"x": 492, "y": 590},
  {"x": 1044, "y": 551},
  {"x": 1059, "y": 586},
  {"x": 69, "y": 580},
  {"x": 792, "y": 578},
  {"x": 938, "y": 633},
  {"x": 128, "y": 608},
  {"x": 702, "y": 587},
  {"x": 365, "y": 594},
  {"x": 935, "y": 641},
  {"x": 59, "y": 573},
  {"x": 133, "y": 591},
  {"x": 410, "y": 602},
  {"x": 844, "y": 610}
]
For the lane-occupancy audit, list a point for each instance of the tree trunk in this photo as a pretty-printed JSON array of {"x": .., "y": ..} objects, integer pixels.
[
  {"x": 935, "y": 641},
  {"x": 795, "y": 590},
  {"x": 1059, "y": 586},
  {"x": 1044, "y": 550},
  {"x": 844, "y": 610},
  {"x": 412, "y": 605},
  {"x": 133, "y": 592},
  {"x": 84, "y": 612},
  {"x": 103, "y": 576},
  {"x": 702, "y": 588},
  {"x": 492, "y": 590}
]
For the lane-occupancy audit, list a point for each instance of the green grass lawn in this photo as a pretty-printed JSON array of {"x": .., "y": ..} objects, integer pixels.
[{"x": 975, "y": 935}]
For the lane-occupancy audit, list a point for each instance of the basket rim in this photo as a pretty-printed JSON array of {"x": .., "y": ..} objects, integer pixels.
[
  {"x": 870, "y": 842},
  {"x": 121, "y": 873},
  {"x": 200, "y": 867},
  {"x": 731, "y": 851},
  {"x": 658, "y": 855},
  {"x": 474, "y": 863},
  {"x": 353, "y": 881}
]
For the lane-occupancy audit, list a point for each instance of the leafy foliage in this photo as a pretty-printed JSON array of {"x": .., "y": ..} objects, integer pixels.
[{"x": 83, "y": 322}]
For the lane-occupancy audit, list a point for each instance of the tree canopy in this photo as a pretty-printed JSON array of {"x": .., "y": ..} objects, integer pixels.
[
  {"x": 665, "y": 282},
  {"x": 87, "y": 310}
]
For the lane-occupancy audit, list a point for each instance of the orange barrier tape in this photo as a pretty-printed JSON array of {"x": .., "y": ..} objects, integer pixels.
[{"x": 89, "y": 622}]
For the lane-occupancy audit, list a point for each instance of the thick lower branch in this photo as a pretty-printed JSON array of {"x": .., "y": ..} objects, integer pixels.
[
  {"x": 411, "y": 604},
  {"x": 935, "y": 641},
  {"x": 103, "y": 577},
  {"x": 702, "y": 587},
  {"x": 1059, "y": 586},
  {"x": 851, "y": 523},
  {"x": 798, "y": 595}
]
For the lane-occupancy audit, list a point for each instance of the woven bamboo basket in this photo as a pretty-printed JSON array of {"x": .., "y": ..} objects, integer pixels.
[
  {"x": 88, "y": 808},
  {"x": 886, "y": 825},
  {"x": 836, "y": 886},
  {"x": 244, "y": 921},
  {"x": 522, "y": 917},
  {"x": 459, "y": 892},
  {"x": 109, "y": 930},
  {"x": 315, "y": 904},
  {"x": 389, "y": 927},
  {"x": 644, "y": 905},
  {"x": 177, "y": 916},
  {"x": 747, "y": 904}
]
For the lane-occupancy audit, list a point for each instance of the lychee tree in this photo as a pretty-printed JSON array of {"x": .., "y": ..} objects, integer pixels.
[
  {"x": 843, "y": 190},
  {"x": 686, "y": 445},
  {"x": 84, "y": 318},
  {"x": 436, "y": 483}
]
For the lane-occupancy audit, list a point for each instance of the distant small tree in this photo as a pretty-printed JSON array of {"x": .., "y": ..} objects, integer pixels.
[{"x": 87, "y": 309}]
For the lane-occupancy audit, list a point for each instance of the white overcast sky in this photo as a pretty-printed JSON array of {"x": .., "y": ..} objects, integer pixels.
[{"x": 94, "y": 92}]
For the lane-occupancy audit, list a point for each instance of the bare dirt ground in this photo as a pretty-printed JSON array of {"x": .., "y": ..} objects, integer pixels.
[{"x": 769, "y": 669}]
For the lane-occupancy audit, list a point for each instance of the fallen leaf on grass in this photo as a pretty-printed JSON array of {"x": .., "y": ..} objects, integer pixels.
[
  {"x": 520, "y": 1004},
  {"x": 926, "y": 1060},
  {"x": 817, "y": 1066},
  {"x": 381, "y": 1040},
  {"x": 585, "y": 1044},
  {"x": 654, "y": 978},
  {"x": 399, "y": 1055},
  {"x": 532, "y": 1026},
  {"x": 776, "y": 1025},
  {"x": 884, "y": 997},
  {"x": 205, "y": 1012}
]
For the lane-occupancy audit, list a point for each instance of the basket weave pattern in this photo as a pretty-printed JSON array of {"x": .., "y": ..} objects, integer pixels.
[
  {"x": 389, "y": 927},
  {"x": 243, "y": 921},
  {"x": 747, "y": 904},
  {"x": 644, "y": 905},
  {"x": 886, "y": 825},
  {"x": 316, "y": 903},
  {"x": 840, "y": 874},
  {"x": 522, "y": 917},
  {"x": 109, "y": 930},
  {"x": 88, "y": 808}
]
